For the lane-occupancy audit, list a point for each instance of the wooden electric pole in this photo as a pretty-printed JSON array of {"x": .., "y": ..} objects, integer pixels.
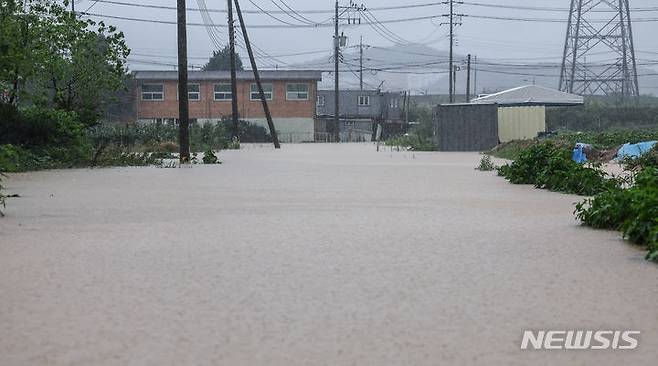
[
  {"x": 234, "y": 80},
  {"x": 451, "y": 87},
  {"x": 475, "y": 76},
  {"x": 361, "y": 64},
  {"x": 336, "y": 77},
  {"x": 455, "y": 68},
  {"x": 183, "y": 103},
  {"x": 468, "y": 79},
  {"x": 452, "y": 23},
  {"x": 266, "y": 109}
]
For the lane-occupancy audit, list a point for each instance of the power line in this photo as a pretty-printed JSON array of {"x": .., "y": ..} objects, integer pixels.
[
  {"x": 298, "y": 14},
  {"x": 281, "y": 12},
  {"x": 269, "y": 14},
  {"x": 547, "y": 9},
  {"x": 388, "y": 21}
]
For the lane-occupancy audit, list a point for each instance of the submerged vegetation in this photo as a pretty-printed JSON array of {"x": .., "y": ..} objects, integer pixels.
[
  {"x": 2, "y": 196},
  {"x": 36, "y": 139},
  {"x": 421, "y": 133},
  {"x": 629, "y": 205},
  {"x": 486, "y": 164},
  {"x": 549, "y": 166}
]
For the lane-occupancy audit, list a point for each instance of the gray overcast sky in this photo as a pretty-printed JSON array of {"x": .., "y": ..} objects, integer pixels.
[{"x": 492, "y": 39}]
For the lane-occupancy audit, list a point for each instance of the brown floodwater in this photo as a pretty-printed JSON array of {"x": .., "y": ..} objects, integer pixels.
[{"x": 312, "y": 255}]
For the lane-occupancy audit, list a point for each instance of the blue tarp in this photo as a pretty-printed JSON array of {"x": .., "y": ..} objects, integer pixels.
[
  {"x": 579, "y": 153},
  {"x": 635, "y": 150}
]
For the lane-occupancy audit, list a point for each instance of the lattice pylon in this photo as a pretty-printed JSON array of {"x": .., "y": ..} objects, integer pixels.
[{"x": 599, "y": 56}]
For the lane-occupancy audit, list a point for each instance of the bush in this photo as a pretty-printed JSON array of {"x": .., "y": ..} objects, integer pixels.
[
  {"x": 549, "y": 166},
  {"x": 2, "y": 196},
  {"x": 608, "y": 140},
  {"x": 209, "y": 157},
  {"x": 486, "y": 165},
  {"x": 117, "y": 156},
  {"x": 16, "y": 159},
  {"x": 644, "y": 205},
  {"x": 37, "y": 127},
  {"x": 607, "y": 210},
  {"x": 36, "y": 138},
  {"x": 633, "y": 210},
  {"x": 163, "y": 138}
]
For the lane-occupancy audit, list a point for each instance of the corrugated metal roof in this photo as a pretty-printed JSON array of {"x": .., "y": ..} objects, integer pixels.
[
  {"x": 531, "y": 95},
  {"x": 226, "y": 75}
]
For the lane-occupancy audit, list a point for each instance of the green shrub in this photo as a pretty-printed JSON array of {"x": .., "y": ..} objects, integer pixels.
[
  {"x": 644, "y": 203},
  {"x": 153, "y": 137},
  {"x": 549, "y": 166},
  {"x": 633, "y": 210},
  {"x": 234, "y": 144},
  {"x": 16, "y": 159},
  {"x": 37, "y": 138},
  {"x": 608, "y": 140},
  {"x": 653, "y": 245},
  {"x": 117, "y": 156},
  {"x": 486, "y": 165},
  {"x": 209, "y": 157},
  {"x": 2, "y": 196},
  {"x": 39, "y": 127},
  {"x": 607, "y": 210}
]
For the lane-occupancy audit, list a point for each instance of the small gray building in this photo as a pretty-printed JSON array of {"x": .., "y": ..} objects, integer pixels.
[
  {"x": 360, "y": 113},
  {"x": 515, "y": 114}
]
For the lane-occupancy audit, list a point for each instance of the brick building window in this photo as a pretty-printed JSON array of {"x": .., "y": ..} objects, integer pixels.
[
  {"x": 223, "y": 92},
  {"x": 364, "y": 100},
  {"x": 320, "y": 101},
  {"x": 193, "y": 91},
  {"x": 267, "y": 89},
  {"x": 297, "y": 91},
  {"x": 152, "y": 92},
  {"x": 395, "y": 103}
]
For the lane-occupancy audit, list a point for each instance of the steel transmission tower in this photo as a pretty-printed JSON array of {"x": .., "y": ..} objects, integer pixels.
[{"x": 599, "y": 57}]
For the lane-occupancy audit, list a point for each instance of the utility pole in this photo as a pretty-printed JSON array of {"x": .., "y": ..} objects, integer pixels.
[
  {"x": 455, "y": 68},
  {"x": 468, "y": 79},
  {"x": 183, "y": 103},
  {"x": 475, "y": 76},
  {"x": 361, "y": 64},
  {"x": 407, "y": 100},
  {"x": 452, "y": 37},
  {"x": 336, "y": 77},
  {"x": 234, "y": 80},
  {"x": 337, "y": 44},
  {"x": 451, "y": 23},
  {"x": 73, "y": 7},
  {"x": 254, "y": 67}
]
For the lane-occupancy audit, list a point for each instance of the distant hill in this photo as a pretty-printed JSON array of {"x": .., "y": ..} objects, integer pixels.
[{"x": 429, "y": 71}]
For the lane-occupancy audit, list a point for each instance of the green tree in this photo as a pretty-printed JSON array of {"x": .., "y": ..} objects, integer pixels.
[
  {"x": 56, "y": 59},
  {"x": 221, "y": 61}
]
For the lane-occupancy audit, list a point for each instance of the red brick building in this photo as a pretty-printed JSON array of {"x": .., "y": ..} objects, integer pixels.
[{"x": 291, "y": 98}]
